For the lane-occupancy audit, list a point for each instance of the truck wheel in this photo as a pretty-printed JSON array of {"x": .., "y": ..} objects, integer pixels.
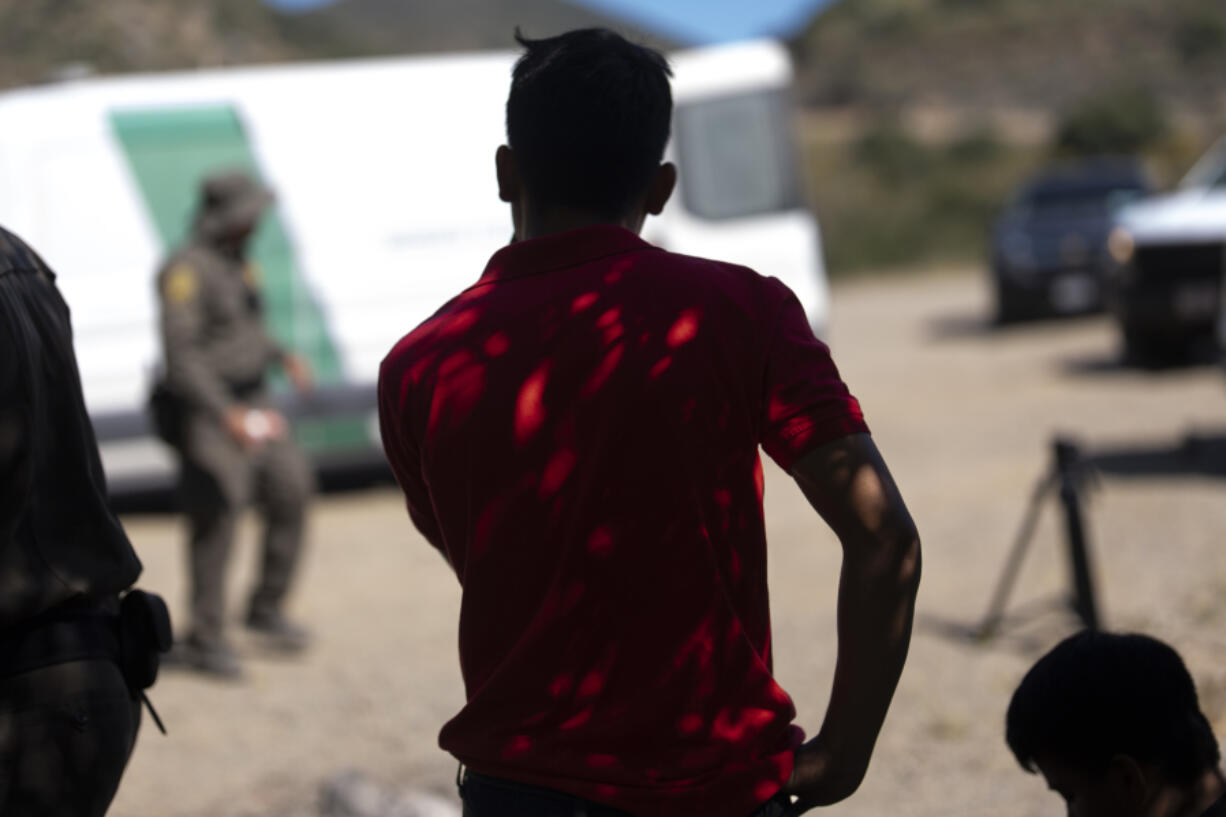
[
  {"x": 1008, "y": 307},
  {"x": 1140, "y": 349},
  {"x": 1146, "y": 350}
]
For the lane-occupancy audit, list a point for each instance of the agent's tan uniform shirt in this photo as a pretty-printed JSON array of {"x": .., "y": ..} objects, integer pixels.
[{"x": 216, "y": 347}]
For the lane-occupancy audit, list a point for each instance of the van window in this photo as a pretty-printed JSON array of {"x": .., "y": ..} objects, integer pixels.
[{"x": 735, "y": 157}]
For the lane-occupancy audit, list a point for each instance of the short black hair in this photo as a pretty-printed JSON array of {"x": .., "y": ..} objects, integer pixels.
[
  {"x": 1097, "y": 695},
  {"x": 588, "y": 118}
]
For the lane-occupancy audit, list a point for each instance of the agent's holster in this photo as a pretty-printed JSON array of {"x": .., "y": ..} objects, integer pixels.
[
  {"x": 144, "y": 634},
  {"x": 82, "y": 629}
]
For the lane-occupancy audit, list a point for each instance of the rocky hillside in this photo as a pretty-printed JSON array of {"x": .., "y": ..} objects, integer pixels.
[
  {"x": 1038, "y": 54},
  {"x": 869, "y": 54},
  {"x": 43, "y": 39},
  {"x": 397, "y": 26}
]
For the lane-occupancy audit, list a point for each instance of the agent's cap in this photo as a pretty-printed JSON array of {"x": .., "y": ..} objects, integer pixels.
[{"x": 232, "y": 198}]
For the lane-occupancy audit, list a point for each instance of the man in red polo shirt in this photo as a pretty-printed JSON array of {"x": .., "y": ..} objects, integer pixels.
[{"x": 578, "y": 434}]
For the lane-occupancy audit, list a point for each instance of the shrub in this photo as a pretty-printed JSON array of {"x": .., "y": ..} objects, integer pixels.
[
  {"x": 976, "y": 147},
  {"x": 1199, "y": 36},
  {"x": 1120, "y": 121},
  {"x": 890, "y": 152}
]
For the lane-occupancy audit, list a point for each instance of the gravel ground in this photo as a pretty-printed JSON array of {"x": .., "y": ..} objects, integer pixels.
[{"x": 964, "y": 416}]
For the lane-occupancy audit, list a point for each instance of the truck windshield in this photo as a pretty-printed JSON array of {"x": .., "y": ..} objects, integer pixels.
[
  {"x": 735, "y": 155},
  {"x": 1081, "y": 195},
  {"x": 1220, "y": 181},
  {"x": 1209, "y": 171}
]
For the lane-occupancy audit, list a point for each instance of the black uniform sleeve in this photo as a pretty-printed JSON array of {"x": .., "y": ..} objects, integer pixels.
[{"x": 14, "y": 477}]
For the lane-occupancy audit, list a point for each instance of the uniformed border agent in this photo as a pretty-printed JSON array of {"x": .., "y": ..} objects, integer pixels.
[
  {"x": 75, "y": 658},
  {"x": 212, "y": 405}
]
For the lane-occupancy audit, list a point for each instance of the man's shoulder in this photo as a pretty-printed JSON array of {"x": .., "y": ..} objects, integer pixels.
[
  {"x": 700, "y": 263},
  {"x": 705, "y": 265},
  {"x": 417, "y": 343},
  {"x": 718, "y": 278},
  {"x": 16, "y": 254}
]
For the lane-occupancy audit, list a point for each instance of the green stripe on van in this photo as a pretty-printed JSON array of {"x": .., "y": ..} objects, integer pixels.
[{"x": 170, "y": 151}]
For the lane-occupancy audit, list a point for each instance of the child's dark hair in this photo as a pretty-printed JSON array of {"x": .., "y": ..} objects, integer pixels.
[
  {"x": 1098, "y": 695},
  {"x": 588, "y": 119}
]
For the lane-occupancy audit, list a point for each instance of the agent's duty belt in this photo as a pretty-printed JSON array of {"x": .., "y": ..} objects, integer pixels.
[
  {"x": 247, "y": 388},
  {"x": 67, "y": 632},
  {"x": 82, "y": 629}
]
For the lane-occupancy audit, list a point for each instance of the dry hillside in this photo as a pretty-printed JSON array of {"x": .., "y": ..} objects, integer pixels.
[
  {"x": 1036, "y": 54},
  {"x": 40, "y": 39}
]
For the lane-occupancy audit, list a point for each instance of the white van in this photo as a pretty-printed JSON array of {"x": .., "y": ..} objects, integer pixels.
[{"x": 387, "y": 206}]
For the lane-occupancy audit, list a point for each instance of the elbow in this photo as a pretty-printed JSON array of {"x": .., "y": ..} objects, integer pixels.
[
  {"x": 890, "y": 556},
  {"x": 909, "y": 559}
]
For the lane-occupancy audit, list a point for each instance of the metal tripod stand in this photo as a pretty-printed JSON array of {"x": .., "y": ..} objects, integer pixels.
[{"x": 1069, "y": 477}]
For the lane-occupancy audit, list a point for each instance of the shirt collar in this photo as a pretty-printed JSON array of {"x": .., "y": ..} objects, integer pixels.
[{"x": 560, "y": 250}]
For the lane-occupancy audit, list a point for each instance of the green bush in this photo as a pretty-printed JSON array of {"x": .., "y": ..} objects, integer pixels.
[
  {"x": 846, "y": 86},
  {"x": 976, "y": 147},
  {"x": 1121, "y": 121},
  {"x": 886, "y": 200},
  {"x": 891, "y": 153},
  {"x": 1200, "y": 35}
]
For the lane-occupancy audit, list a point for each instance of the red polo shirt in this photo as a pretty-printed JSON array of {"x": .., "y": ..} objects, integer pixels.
[{"x": 578, "y": 434}]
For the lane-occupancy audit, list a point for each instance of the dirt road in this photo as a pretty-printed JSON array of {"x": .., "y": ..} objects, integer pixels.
[{"x": 964, "y": 417}]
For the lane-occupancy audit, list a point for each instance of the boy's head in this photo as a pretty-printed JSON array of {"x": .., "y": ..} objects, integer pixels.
[
  {"x": 588, "y": 119},
  {"x": 1111, "y": 721}
]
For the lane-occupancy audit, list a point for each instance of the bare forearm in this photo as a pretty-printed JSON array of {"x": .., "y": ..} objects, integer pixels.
[
  {"x": 848, "y": 483},
  {"x": 875, "y": 610}
]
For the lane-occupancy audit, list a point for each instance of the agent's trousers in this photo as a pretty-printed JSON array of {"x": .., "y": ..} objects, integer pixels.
[
  {"x": 219, "y": 479},
  {"x": 66, "y": 733}
]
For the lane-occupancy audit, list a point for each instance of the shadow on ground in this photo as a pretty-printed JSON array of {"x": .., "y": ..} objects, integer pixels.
[
  {"x": 1097, "y": 365},
  {"x": 1199, "y": 453},
  {"x": 1028, "y": 631},
  {"x": 971, "y": 325},
  {"x": 962, "y": 325}
]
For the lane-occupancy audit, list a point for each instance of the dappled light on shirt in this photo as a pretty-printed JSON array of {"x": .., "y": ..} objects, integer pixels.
[
  {"x": 556, "y": 471},
  {"x": 579, "y": 433},
  {"x": 684, "y": 330},
  {"x": 458, "y": 323},
  {"x": 497, "y": 344},
  {"x": 733, "y": 728},
  {"x": 529, "y": 406},
  {"x": 600, "y": 543},
  {"x": 518, "y": 745},
  {"x": 461, "y": 378},
  {"x": 583, "y": 302}
]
